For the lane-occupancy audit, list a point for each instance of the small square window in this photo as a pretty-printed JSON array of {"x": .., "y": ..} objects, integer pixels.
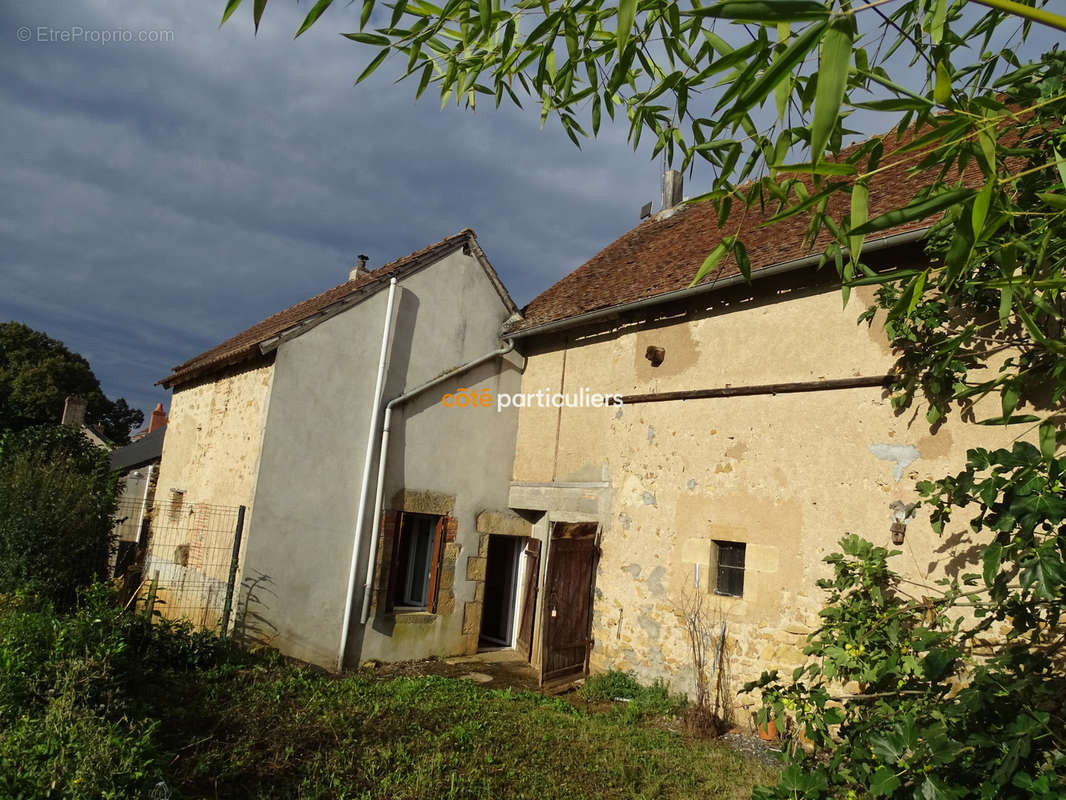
[{"x": 730, "y": 568}]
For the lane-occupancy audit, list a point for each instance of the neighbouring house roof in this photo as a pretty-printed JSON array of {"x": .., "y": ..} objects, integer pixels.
[
  {"x": 246, "y": 345},
  {"x": 662, "y": 254},
  {"x": 147, "y": 449}
]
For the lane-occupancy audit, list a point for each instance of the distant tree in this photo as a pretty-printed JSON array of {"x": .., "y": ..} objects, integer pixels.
[{"x": 37, "y": 373}]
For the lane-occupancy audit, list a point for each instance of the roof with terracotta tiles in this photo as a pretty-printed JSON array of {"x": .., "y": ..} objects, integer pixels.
[
  {"x": 664, "y": 252},
  {"x": 245, "y": 345}
]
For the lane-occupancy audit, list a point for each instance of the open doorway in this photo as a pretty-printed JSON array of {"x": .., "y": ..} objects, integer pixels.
[{"x": 501, "y": 588}]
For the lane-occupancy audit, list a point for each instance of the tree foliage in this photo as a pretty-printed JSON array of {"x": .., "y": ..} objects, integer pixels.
[
  {"x": 57, "y": 508},
  {"x": 38, "y": 373}
]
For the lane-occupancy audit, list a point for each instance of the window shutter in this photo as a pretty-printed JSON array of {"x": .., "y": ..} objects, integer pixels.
[
  {"x": 434, "y": 569},
  {"x": 391, "y": 528}
]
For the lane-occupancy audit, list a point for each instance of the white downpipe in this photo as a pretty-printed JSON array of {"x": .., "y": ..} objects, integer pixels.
[
  {"x": 368, "y": 463},
  {"x": 375, "y": 532}
]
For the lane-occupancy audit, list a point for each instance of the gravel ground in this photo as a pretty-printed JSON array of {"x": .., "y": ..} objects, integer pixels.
[{"x": 753, "y": 747}]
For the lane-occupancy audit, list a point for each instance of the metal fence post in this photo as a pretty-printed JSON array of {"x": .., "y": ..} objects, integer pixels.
[{"x": 228, "y": 605}]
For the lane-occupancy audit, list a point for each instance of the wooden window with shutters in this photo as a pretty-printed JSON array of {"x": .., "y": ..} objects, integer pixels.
[{"x": 414, "y": 569}]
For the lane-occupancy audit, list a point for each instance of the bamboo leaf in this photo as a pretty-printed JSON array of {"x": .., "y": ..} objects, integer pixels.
[
  {"x": 821, "y": 168},
  {"x": 781, "y": 67},
  {"x": 373, "y": 65},
  {"x": 258, "y": 7},
  {"x": 936, "y": 23},
  {"x": 980, "y": 208},
  {"x": 914, "y": 210},
  {"x": 764, "y": 12},
  {"x": 710, "y": 262},
  {"x": 313, "y": 15},
  {"x": 364, "y": 16},
  {"x": 485, "y": 13},
  {"x": 231, "y": 6},
  {"x": 427, "y": 73},
  {"x": 860, "y": 195},
  {"x": 1057, "y": 201},
  {"x": 740, "y": 253},
  {"x": 832, "y": 82},
  {"x": 942, "y": 87},
  {"x": 368, "y": 38},
  {"x": 1010, "y": 397},
  {"x": 1006, "y": 295},
  {"x": 1060, "y": 162},
  {"x": 627, "y": 12}
]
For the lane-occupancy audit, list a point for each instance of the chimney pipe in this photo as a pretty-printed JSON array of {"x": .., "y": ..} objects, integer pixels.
[
  {"x": 359, "y": 270},
  {"x": 673, "y": 185},
  {"x": 74, "y": 412},
  {"x": 158, "y": 418}
]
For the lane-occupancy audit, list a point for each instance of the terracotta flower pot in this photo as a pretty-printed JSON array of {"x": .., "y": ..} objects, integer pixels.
[{"x": 768, "y": 732}]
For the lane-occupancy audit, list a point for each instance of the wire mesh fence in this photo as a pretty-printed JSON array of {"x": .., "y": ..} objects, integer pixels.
[{"x": 188, "y": 554}]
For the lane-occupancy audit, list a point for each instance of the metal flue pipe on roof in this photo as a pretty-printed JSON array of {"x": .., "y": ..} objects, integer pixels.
[
  {"x": 383, "y": 458},
  {"x": 368, "y": 462},
  {"x": 895, "y": 240}
]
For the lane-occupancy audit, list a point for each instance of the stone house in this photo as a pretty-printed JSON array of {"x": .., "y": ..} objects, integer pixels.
[
  {"x": 282, "y": 419},
  {"x": 754, "y": 431}
]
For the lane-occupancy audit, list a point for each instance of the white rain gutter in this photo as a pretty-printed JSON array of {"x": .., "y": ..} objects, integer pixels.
[
  {"x": 368, "y": 461},
  {"x": 375, "y": 535},
  {"x": 893, "y": 240}
]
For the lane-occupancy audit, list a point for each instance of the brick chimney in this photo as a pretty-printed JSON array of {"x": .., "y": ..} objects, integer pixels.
[
  {"x": 158, "y": 418},
  {"x": 360, "y": 269},
  {"x": 74, "y": 412}
]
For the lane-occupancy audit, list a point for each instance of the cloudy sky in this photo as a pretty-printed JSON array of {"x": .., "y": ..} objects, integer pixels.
[{"x": 160, "y": 196}]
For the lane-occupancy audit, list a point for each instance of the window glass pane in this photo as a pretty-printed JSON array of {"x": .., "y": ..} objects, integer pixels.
[
  {"x": 730, "y": 568},
  {"x": 414, "y": 560}
]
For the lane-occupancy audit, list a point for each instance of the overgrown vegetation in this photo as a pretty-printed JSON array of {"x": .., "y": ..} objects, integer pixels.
[
  {"x": 100, "y": 703},
  {"x": 57, "y": 508},
  {"x": 632, "y": 701}
]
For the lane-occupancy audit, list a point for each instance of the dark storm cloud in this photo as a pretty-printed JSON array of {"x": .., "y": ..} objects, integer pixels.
[{"x": 161, "y": 196}]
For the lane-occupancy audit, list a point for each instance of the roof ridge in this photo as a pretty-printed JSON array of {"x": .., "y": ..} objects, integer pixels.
[
  {"x": 662, "y": 253},
  {"x": 243, "y": 344}
]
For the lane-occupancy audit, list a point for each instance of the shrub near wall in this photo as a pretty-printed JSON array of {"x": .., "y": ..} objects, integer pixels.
[{"x": 57, "y": 508}]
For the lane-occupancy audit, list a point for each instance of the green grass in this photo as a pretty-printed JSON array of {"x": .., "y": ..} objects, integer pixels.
[
  {"x": 98, "y": 704},
  {"x": 287, "y": 733}
]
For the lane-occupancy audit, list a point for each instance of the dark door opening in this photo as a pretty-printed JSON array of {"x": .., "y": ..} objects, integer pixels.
[
  {"x": 567, "y": 628},
  {"x": 501, "y": 582}
]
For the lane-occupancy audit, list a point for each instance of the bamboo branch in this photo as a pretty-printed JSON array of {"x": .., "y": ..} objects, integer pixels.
[{"x": 1026, "y": 12}]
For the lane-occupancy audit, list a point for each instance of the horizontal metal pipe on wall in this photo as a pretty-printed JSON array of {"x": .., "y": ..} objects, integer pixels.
[{"x": 765, "y": 388}]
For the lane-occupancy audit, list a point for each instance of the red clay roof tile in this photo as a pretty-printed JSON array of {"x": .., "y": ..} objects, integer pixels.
[{"x": 663, "y": 254}]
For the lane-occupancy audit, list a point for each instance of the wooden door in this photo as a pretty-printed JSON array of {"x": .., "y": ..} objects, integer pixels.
[
  {"x": 568, "y": 600},
  {"x": 524, "y": 640}
]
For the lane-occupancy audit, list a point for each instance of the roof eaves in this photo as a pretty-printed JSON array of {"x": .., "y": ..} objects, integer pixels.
[{"x": 594, "y": 315}]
